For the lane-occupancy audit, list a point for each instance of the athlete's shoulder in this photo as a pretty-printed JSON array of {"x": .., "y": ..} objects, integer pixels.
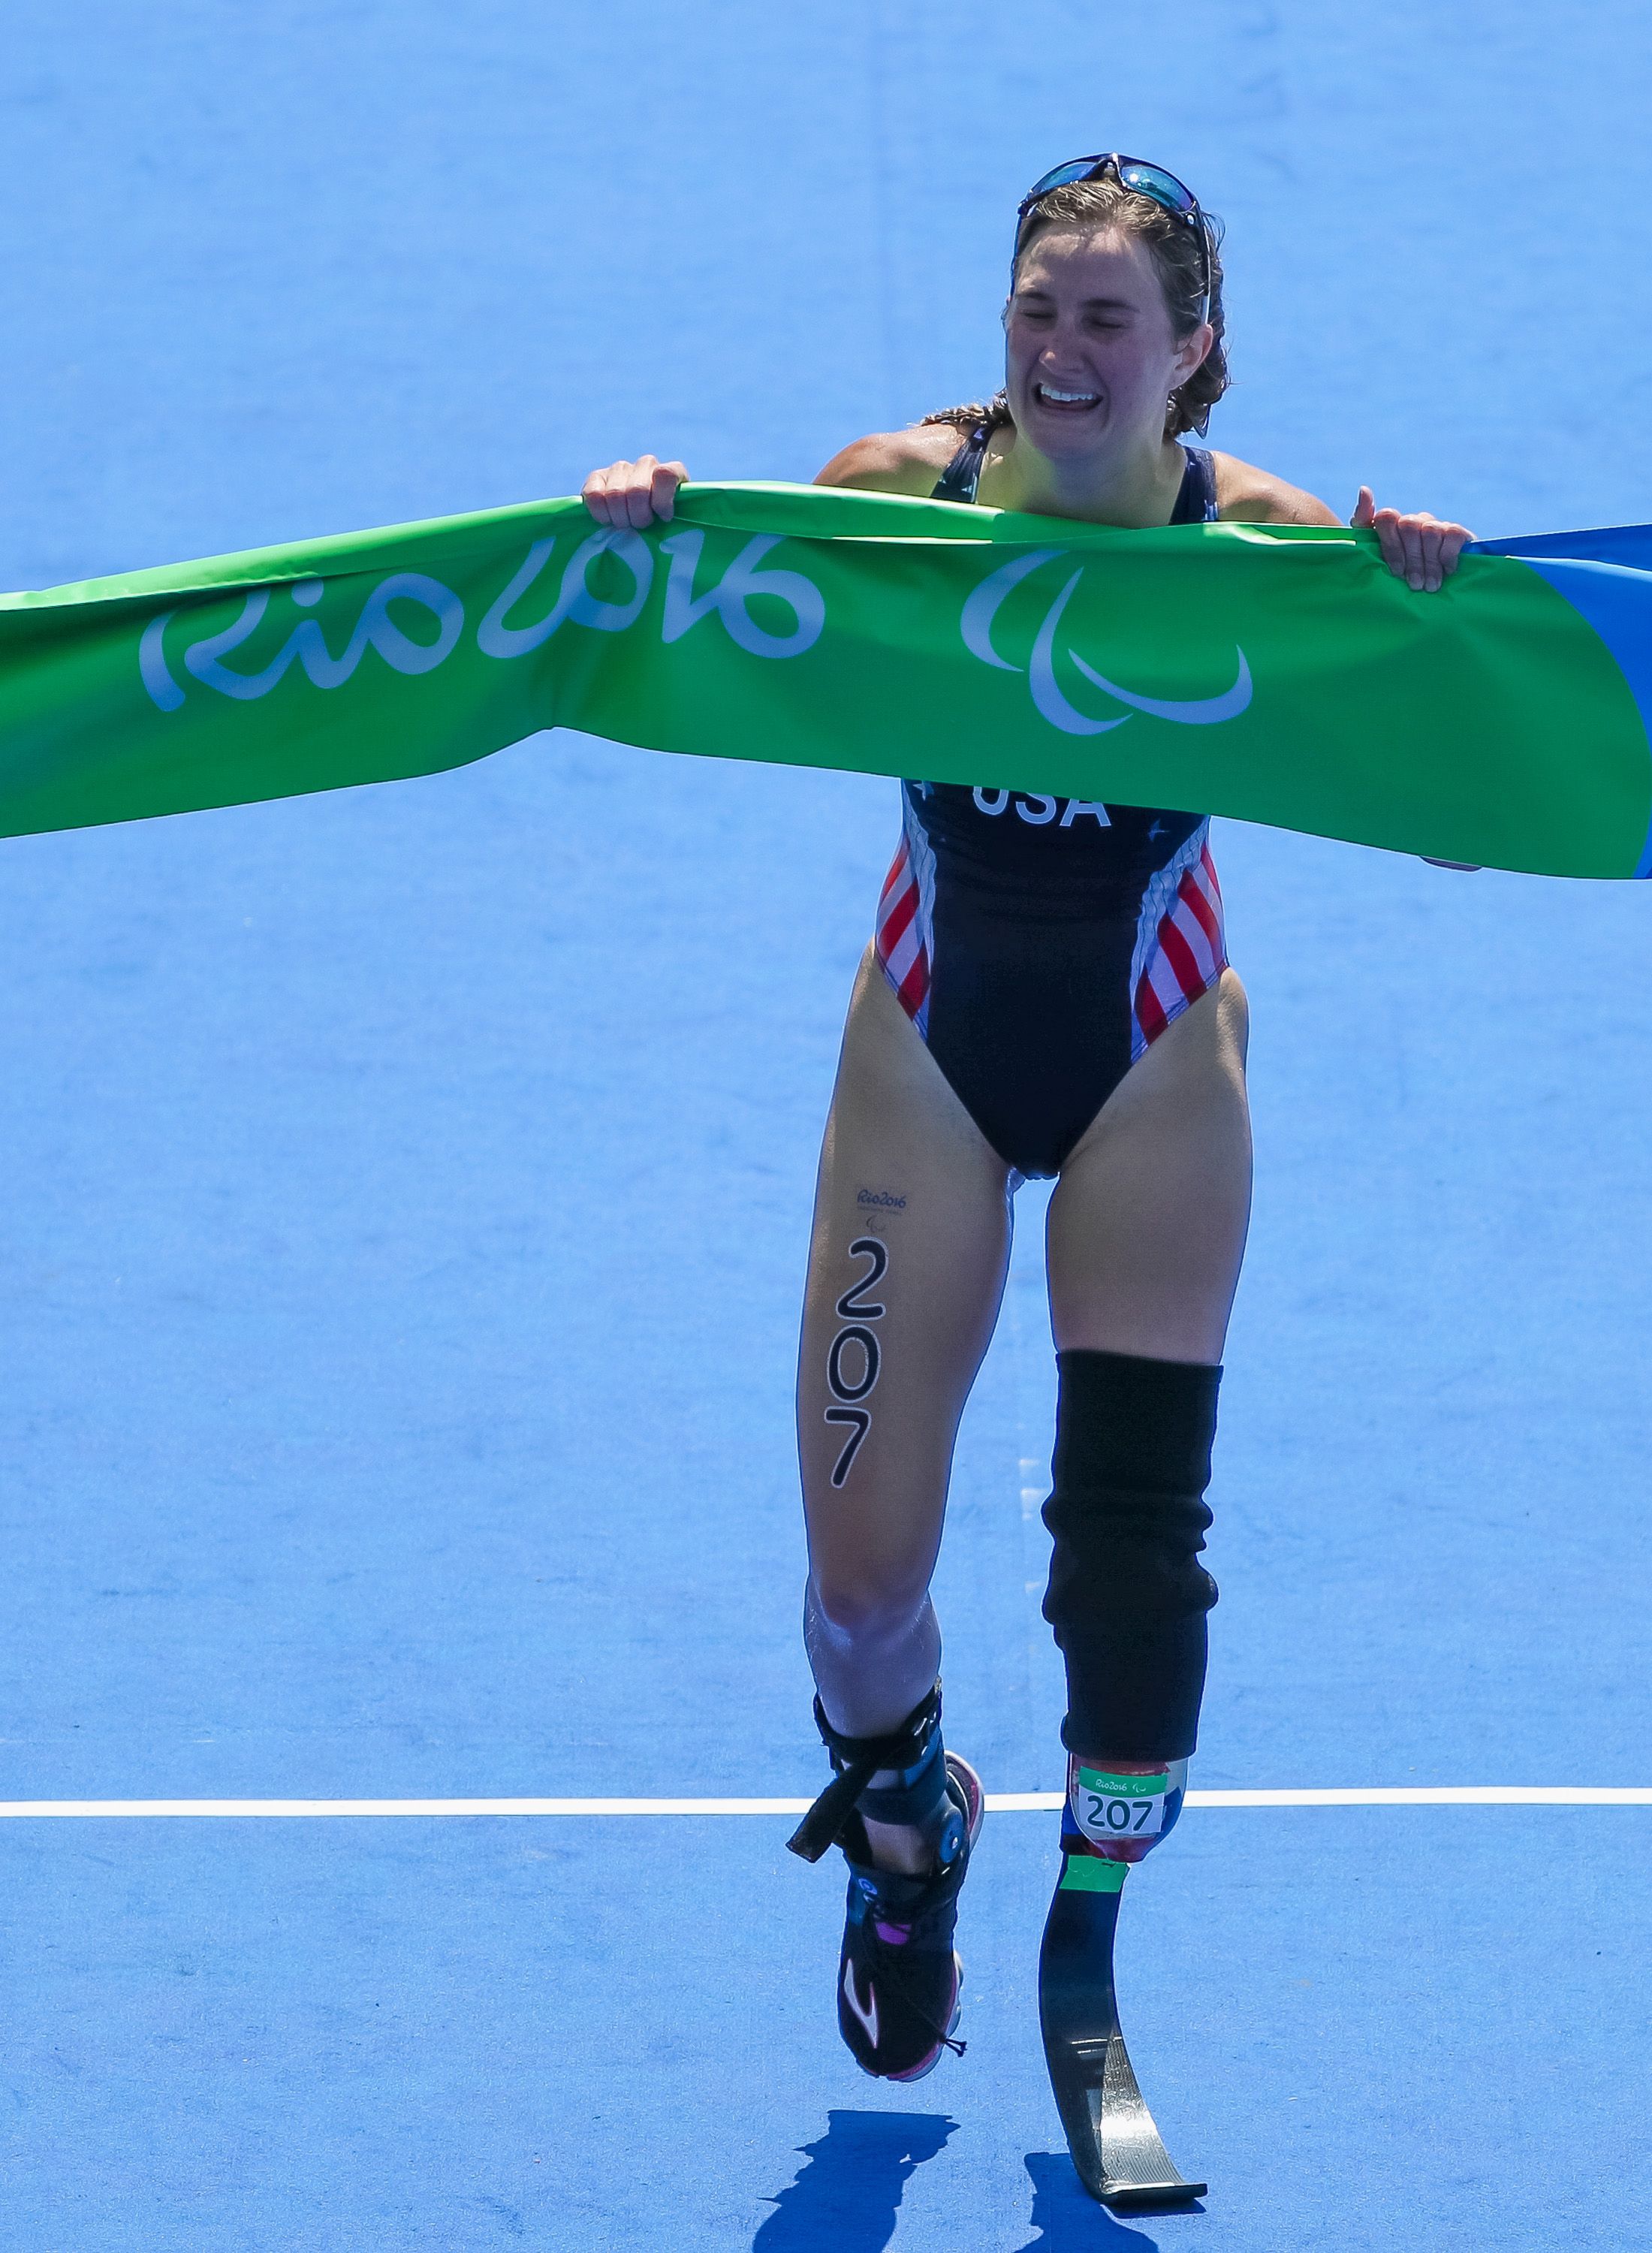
[
  {"x": 1247, "y": 495},
  {"x": 895, "y": 461}
]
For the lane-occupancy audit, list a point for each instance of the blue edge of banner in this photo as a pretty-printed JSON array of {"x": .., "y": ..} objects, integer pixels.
[{"x": 1603, "y": 576}]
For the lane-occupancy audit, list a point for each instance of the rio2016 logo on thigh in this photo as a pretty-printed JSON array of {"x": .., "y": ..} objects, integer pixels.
[{"x": 853, "y": 1360}]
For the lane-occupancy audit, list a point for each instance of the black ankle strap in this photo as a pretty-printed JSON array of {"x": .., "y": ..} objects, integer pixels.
[{"x": 857, "y": 1759}]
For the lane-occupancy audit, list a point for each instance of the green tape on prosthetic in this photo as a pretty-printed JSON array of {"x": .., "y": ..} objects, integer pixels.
[
  {"x": 1089, "y": 1873},
  {"x": 1123, "y": 1787}
]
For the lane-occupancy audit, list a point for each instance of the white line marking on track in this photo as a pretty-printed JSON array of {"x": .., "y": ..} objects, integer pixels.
[{"x": 1003, "y": 1802}]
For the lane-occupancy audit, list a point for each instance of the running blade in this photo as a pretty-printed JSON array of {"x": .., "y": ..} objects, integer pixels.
[{"x": 1118, "y": 2151}]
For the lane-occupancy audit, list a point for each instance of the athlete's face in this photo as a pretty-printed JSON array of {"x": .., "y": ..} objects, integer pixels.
[{"x": 1090, "y": 356}]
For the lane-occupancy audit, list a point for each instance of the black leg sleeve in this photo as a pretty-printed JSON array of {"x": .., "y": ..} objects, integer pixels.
[{"x": 1127, "y": 1596}]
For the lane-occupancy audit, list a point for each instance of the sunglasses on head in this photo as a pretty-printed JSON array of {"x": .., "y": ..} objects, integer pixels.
[{"x": 1137, "y": 179}]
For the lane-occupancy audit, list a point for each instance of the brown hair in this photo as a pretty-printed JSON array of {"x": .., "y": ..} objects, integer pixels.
[{"x": 1175, "y": 250}]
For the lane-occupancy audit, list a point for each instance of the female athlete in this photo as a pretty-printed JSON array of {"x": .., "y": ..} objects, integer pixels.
[{"x": 1048, "y": 994}]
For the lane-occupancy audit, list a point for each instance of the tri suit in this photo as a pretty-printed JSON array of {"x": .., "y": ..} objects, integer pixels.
[{"x": 1040, "y": 945}]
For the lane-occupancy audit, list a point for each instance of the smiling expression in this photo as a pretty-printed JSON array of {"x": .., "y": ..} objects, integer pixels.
[{"x": 1090, "y": 357}]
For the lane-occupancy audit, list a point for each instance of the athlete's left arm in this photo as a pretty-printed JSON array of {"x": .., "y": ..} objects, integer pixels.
[
  {"x": 1247, "y": 495},
  {"x": 1416, "y": 547}
]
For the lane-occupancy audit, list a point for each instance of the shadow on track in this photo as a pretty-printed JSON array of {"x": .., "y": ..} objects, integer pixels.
[
  {"x": 846, "y": 2198},
  {"x": 1065, "y": 2217}
]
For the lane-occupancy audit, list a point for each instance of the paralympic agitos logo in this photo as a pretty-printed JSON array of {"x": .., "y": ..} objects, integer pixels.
[
  {"x": 1049, "y": 699},
  {"x": 414, "y": 622}
]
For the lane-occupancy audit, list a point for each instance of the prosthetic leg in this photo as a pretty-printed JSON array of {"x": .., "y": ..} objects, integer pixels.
[
  {"x": 1117, "y": 2150},
  {"x": 1127, "y": 1600}
]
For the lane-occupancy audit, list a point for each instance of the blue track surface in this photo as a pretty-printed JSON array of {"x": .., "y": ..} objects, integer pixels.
[{"x": 406, "y": 1192}]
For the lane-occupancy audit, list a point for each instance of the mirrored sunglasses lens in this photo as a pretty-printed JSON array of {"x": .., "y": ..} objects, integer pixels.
[
  {"x": 1063, "y": 176},
  {"x": 1163, "y": 187}
]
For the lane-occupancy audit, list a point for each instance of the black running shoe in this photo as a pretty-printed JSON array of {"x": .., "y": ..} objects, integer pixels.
[{"x": 899, "y": 1979}]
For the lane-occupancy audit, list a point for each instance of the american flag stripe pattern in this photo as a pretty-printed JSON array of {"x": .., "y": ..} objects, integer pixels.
[
  {"x": 906, "y": 922},
  {"x": 1186, "y": 952},
  {"x": 902, "y": 936}
]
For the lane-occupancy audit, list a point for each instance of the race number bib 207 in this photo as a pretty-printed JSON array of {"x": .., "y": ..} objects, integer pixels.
[{"x": 1110, "y": 1808}]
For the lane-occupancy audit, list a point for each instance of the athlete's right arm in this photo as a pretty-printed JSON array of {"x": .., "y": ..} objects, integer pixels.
[
  {"x": 894, "y": 461},
  {"x": 630, "y": 495}
]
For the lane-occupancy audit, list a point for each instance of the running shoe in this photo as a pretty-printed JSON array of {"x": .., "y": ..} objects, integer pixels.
[{"x": 900, "y": 1976}]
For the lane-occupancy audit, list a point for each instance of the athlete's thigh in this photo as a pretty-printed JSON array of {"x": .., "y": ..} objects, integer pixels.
[
  {"x": 906, "y": 1270},
  {"x": 1147, "y": 1222}
]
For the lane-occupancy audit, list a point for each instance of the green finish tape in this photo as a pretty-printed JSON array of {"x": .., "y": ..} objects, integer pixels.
[
  {"x": 1279, "y": 674},
  {"x": 1088, "y": 1873},
  {"x": 1122, "y": 1787}
]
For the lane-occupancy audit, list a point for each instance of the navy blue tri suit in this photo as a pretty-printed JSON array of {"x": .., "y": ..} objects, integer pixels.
[{"x": 1041, "y": 944}]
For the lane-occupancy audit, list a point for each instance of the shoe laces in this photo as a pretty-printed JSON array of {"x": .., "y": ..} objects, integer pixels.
[{"x": 892, "y": 1961}]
